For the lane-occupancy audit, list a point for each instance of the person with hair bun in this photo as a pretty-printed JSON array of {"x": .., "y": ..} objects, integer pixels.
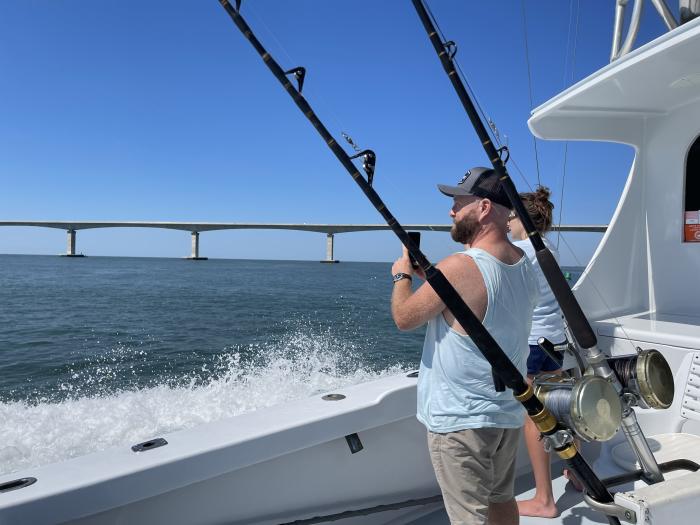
[{"x": 546, "y": 322}]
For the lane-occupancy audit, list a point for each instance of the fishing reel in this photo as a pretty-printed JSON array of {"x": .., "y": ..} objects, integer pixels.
[
  {"x": 646, "y": 378},
  {"x": 589, "y": 406}
]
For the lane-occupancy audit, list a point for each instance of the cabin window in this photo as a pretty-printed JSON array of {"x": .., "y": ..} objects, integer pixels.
[{"x": 692, "y": 194}]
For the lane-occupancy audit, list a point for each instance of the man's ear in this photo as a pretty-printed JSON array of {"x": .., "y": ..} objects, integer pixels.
[{"x": 485, "y": 207}]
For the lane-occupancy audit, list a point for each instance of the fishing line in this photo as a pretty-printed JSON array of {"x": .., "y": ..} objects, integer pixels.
[
  {"x": 492, "y": 129},
  {"x": 445, "y": 53},
  {"x": 529, "y": 86},
  {"x": 497, "y": 138},
  {"x": 579, "y": 325},
  {"x": 568, "y": 80},
  {"x": 600, "y": 295},
  {"x": 561, "y": 194},
  {"x": 559, "y": 403},
  {"x": 309, "y": 86},
  {"x": 499, "y": 361},
  {"x": 567, "y": 62},
  {"x": 561, "y": 237},
  {"x": 522, "y": 175},
  {"x": 581, "y": 329},
  {"x": 502, "y": 367},
  {"x": 561, "y": 198},
  {"x": 573, "y": 69}
]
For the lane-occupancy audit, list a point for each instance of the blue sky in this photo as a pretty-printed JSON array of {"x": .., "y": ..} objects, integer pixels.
[{"x": 147, "y": 111}]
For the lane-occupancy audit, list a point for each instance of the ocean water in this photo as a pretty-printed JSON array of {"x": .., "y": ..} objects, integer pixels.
[{"x": 103, "y": 351}]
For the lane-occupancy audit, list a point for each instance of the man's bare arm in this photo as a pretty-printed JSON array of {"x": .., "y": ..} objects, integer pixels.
[{"x": 413, "y": 309}]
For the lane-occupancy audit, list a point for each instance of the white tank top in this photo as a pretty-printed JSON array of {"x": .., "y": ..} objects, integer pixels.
[{"x": 455, "y": 384}]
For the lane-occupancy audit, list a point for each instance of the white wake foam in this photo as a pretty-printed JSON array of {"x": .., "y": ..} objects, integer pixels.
[{"x": 34, "y": 434}]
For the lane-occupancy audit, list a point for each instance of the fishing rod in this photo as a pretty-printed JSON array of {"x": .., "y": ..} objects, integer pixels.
[
  {"x": 501, "y": 365},
  {"x": 578, "y": 323},
  {"x": 580, "y": 327}
]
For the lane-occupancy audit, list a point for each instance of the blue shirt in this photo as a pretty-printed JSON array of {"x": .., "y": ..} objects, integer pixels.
[{"x": 455, "y": 385}]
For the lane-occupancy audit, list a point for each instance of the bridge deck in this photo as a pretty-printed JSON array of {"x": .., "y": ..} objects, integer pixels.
[{"x": 209, "y": 226}]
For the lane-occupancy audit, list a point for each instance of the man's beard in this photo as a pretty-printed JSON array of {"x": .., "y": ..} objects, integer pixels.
[{"x": 464, "y": 231}]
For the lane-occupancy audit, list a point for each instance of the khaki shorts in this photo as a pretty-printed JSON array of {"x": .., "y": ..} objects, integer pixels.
[{"x": 474, "y": 467}]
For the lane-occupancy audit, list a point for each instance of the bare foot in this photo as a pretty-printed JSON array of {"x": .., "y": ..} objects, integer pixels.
[
  {"x": 573, "y": 480},
  {"x": 533, "y": 507}
]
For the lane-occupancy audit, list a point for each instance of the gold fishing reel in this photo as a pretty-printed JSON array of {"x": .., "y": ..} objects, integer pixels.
[
  {"x": 647, "y": 376},
  {"x": 589, "y": 406}
]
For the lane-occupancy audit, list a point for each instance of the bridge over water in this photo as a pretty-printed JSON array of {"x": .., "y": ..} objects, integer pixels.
[{"x": 195, "y": 228}]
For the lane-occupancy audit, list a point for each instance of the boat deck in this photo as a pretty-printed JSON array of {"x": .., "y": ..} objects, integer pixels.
[{"x": 574, "y": 510}]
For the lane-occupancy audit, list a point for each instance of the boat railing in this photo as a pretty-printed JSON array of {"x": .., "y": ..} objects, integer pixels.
[{"x": 689, "y": 9}]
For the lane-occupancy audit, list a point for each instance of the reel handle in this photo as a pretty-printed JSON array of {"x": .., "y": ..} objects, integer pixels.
[{"x": 548, "y": 348}]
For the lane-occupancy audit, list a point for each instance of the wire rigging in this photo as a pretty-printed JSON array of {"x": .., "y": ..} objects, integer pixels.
[
  {"x": 573, "y": 68},
  {"x": 600, "y": 296},
  {"x": 569, "y": 72},
  {"x": 529, "y": 85}
]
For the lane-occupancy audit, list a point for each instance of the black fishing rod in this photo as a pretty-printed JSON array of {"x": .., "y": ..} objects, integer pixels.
[
  {"x": 502, "y": 366},
  {"x": 578, "y": 322},
  {"x": 580, "y": 327}
]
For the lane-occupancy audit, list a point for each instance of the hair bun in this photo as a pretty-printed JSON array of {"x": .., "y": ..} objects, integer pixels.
[
  {"x": 542, "y": 193},
  {"x": 539, "y": 208}
]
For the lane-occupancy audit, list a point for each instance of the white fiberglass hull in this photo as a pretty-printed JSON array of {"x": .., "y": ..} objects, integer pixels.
[{"x": 271, "y": 466}]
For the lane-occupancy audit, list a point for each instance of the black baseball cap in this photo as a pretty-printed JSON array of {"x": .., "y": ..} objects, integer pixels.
[{"x": 480, "y": 182}]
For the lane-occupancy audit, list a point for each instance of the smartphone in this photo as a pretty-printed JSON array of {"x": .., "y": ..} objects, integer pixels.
[{"x": 415, "y": 237}]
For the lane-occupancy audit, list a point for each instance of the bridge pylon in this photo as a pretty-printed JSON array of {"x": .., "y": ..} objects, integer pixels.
[
  {"x": 329, "y": 249},
  {"x": 195, "y": 249}
]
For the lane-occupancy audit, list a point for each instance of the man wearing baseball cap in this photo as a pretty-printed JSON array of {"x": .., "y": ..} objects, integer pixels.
[{"x": 473, "y": 430}]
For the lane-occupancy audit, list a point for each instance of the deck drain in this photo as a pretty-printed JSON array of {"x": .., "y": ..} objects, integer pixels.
[
  {"x": 149, "y": 445},
  {"x": 17, "y": 484},
  {"x": 333, "y": 397}
]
